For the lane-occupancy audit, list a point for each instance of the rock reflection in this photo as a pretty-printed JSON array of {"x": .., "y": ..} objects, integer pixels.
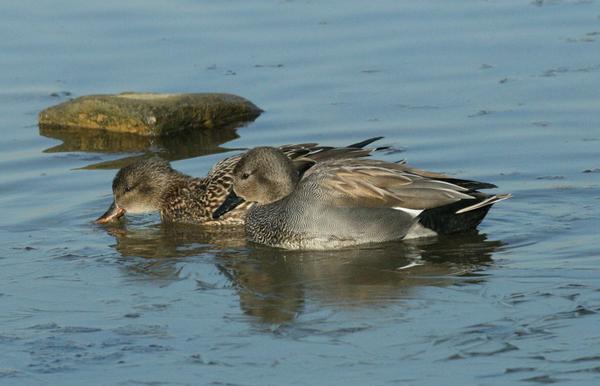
[
  {"x": 273, "y": 284},
  {"x": 183, "y": 145}
]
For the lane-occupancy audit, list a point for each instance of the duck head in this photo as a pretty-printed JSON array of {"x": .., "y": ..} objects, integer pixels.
[
  {"x": 137, "y": 188},
  {"x": 263, "y": 175}
]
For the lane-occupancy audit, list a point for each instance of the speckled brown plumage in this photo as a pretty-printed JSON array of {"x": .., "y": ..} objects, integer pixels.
[{"x": 193, "y": 200}]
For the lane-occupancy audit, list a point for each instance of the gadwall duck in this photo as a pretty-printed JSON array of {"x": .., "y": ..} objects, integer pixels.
[
  {"x": 345, "y": 202},
  {"x": 151, "y": 185}
]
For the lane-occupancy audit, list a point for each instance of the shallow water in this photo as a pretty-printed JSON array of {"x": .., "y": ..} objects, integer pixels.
[{"x": 505, "y": 92}]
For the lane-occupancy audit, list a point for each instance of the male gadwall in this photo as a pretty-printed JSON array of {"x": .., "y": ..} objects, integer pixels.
[
  {"x": 151, "y": 185},
  {"x": 345, "y": 202}
]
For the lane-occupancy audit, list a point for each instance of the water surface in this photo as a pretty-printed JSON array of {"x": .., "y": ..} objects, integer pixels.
[{"x": 505, "y": 92}]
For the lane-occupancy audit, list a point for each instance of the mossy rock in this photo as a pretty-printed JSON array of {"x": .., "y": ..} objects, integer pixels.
[{"x": 151, "y": 114}]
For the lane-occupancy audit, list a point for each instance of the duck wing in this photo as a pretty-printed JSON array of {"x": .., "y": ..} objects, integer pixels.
[
  {"x": 306, "y": 155},
  {"x": 378, "y": 184},
  {"x": 303, "y": 153}
]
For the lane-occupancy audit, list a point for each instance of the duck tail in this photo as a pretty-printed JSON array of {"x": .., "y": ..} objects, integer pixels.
[
  {"x": 364, "y": 143},
  {"x": 488, "y": 201}
]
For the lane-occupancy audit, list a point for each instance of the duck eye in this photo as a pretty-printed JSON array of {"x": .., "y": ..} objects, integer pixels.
[
  {"x": 245, "y": 176},
  {"x": 128, "y": 189}
]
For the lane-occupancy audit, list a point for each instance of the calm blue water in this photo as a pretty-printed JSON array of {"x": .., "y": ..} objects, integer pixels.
[{"x": 506, "y": 92}]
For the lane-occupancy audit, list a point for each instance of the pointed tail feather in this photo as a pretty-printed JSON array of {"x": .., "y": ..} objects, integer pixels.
[
  {"x": 488, "y": 201},
  {"x": 365, "y": 142}
]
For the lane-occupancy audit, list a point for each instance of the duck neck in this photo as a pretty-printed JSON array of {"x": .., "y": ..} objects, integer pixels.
[
  {"x": 177, "y": 180},
  {"x": 282, "y": 189}
]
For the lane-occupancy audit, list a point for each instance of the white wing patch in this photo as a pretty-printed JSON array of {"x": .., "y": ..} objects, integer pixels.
[{"x": 413, "y": 212}]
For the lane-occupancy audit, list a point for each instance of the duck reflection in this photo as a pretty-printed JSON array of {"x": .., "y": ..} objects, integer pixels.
[
  {"x": 273, "y": 284},
  {"x": 168, "y": 240},
  {"x": 156, "y": 251},
  {"x": 183, "y": 145}
]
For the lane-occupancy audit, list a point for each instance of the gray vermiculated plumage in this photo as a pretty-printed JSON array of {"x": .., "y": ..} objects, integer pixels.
[
  {"x": 299, "y": 222},
  {"x": 344, "y": 202}
]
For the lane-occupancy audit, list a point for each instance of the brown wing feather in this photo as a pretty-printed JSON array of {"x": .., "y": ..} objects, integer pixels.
[{"x": 373, "y": 183}]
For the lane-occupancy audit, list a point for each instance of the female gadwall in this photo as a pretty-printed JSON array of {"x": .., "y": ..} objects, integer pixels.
[
  {"x": 345, "y": 202},
  {"x": 151, "y": 185}
]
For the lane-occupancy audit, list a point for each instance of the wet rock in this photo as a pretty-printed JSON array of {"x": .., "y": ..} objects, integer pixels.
[{"x": 150, "y": 114}]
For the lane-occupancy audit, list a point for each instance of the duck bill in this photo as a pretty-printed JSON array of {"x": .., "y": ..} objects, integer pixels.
[
  {"x": 114, "y": 212},
  {"x": 230, "y": 203}
]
